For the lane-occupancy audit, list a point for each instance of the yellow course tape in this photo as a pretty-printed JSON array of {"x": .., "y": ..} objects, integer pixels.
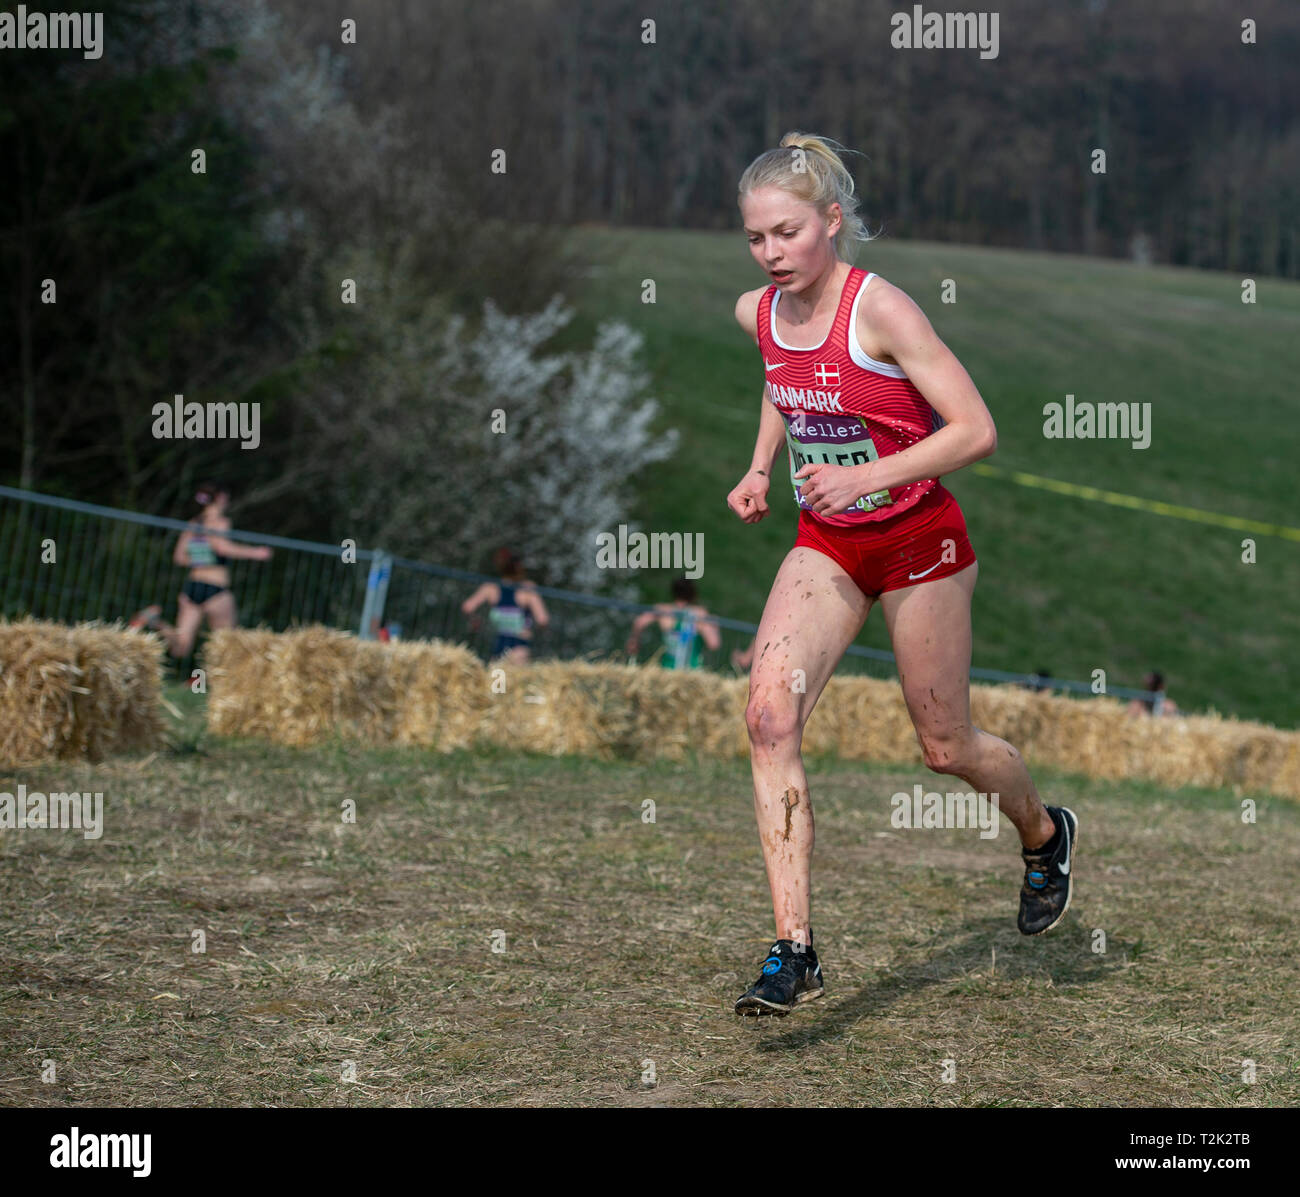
[{"x": 1153, "y": 505}]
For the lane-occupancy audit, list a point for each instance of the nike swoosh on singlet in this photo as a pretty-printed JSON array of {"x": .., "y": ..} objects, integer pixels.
[
  {"x": 928, "y": 571},
  {"x": 774, "y": 365}
]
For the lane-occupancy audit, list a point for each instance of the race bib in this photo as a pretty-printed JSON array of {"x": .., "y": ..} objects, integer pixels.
[
  {"x": 508, "y": 621},
  {"x": 201, "y": 552},
  {"x": 832, "y": 440}
]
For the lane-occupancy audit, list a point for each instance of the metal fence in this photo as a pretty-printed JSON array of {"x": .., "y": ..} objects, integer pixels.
[{"x": 70, "y": 561}]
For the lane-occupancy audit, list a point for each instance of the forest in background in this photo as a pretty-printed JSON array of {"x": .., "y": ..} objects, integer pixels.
[
  {"x": 1200, "y": 130},
  {"x": 373, "y": 162}
]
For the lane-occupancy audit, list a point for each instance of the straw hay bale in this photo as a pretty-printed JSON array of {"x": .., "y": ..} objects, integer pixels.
[
  {"x": 615, "y": 711},
  {"x": 324, "y": 683},
  {"x": 871, "y": 721},
  {"x": 562, "y": 708},
  {"x": 1083, "y": 736},
  {"x": 861, "y": 718},
  {"x": 677, "y": 713},
  {"x": 1287, "y": 778},
  {"x": 84, "y": 691},
  {"x": 305, "y": 686},
  {"x": 238, "y": 666},
  {"x": 312, "y": 684},
  {"x": 1098, "y": 737},
  {"x": 442, "y": 694}
]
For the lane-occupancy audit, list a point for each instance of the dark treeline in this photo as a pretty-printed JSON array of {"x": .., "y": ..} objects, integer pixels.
[
  {"x": 179, "y": 217},
  {"x": 1200, "y": 130},
  {"x": 131, "y": 272}
]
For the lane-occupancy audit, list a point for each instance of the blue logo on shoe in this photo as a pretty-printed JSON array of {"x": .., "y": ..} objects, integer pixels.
[
  {"x": 771, "y": 965},
  {"x": 1037, "y": 880}
]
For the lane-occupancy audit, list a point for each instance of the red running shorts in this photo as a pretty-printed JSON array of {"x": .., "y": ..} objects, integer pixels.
[{"x": 925, "y": 543}]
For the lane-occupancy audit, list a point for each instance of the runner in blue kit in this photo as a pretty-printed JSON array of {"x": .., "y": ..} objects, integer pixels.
[
  {"x": 515, "y": 608},
  {"x": 872, "y": 409}
]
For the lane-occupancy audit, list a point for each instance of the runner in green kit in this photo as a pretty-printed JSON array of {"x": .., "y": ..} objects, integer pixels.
[{"x": 684, "y": 625}]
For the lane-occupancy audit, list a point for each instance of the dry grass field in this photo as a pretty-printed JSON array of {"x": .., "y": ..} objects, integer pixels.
[{"x": 338, "y": 950}]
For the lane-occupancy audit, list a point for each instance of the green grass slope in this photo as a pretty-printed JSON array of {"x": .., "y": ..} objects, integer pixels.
[{"x": 1066, "y": 584}]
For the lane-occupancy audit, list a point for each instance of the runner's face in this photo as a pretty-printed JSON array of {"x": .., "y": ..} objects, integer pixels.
[{"x": 788, "y": 235}]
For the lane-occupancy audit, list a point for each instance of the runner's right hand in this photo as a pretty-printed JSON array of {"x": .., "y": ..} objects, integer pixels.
[{"x": 749, "y": 499}]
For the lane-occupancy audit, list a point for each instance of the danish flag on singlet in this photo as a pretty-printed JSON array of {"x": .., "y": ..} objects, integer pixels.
[{"x": 842, "y": 407}]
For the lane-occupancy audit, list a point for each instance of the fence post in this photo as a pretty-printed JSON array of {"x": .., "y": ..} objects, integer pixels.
[{"x": 381, "y": 568}]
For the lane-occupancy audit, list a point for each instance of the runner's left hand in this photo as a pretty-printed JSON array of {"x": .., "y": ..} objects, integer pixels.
[{"x": 831, "y": 488}]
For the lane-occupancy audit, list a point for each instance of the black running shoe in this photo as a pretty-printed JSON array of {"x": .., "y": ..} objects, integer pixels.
[
  {"x": 1045, "y": 895},
  {"x": 791, "y": 974}
]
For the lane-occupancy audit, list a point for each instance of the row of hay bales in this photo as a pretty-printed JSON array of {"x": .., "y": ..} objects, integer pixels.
[
  {"x": 90, "y": 691},
  {"x": 85, "y": 692},
  {"x": 308, "y": 686}
]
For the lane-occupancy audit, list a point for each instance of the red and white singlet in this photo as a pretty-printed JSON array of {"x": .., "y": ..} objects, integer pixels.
[{"x": 843, "y": 407}]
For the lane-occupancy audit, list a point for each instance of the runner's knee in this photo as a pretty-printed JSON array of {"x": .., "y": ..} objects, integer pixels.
[
  {"x": 772, "y": 718},
  {"x": 946, "y": 752}
]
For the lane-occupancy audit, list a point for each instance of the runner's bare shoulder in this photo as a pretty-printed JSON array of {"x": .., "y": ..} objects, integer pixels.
[{"x": 747, "y": 311}]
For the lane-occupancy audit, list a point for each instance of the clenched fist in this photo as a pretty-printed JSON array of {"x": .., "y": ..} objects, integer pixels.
[{"x": 749, "y": 499}]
